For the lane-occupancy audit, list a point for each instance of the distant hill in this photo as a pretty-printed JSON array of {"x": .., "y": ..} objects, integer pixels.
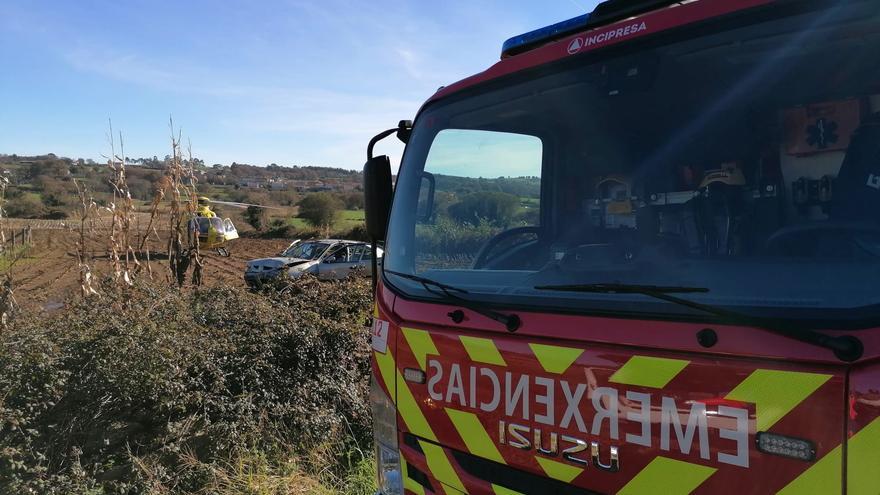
[
  {"x": 524, "y": 187},
  {"x": 43, "y": 186}
]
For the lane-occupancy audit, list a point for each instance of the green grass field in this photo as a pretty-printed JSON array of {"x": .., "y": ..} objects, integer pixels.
[{"x": 348, "y": 219}]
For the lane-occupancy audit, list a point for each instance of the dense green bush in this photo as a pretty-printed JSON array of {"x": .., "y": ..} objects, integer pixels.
[
  {"x": 449, "y": 238},
  {"x": 320, "y": 209},
  {"x": 279, "y": 229},
  {"x": 256, "y": 217},
  {"x": 353, "y": 200},
  {"x": 497, "y": 207},
  {"x": 25, "y": 206},
  {"x": 151, "y": 390}
]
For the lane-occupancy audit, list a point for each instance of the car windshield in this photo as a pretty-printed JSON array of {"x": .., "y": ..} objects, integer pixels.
[
  {"x": 306, "y": 250},
  {"x": 743, "y": 161}
]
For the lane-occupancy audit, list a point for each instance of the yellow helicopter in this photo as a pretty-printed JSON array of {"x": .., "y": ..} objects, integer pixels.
[{"x": 214, "y": 232}]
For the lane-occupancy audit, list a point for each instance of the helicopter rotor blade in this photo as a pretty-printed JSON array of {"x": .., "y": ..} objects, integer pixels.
[{"x": 236, "y": 204}]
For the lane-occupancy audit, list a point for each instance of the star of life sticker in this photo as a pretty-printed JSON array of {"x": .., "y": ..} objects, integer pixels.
[{"x": 575, "y": 45}]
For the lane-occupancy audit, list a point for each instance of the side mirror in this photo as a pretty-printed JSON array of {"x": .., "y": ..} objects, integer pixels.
[
  {"x": 377, "y": 196},
  {"x": 404, "y": 131},
  {"x": 331, "y": 259}
]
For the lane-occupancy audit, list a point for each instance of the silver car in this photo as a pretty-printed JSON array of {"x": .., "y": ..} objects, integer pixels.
[{"x": 328, "y": 259}]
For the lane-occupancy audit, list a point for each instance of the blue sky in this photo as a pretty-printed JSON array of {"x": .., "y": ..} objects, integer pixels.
[{"x": 272, "y": 81}]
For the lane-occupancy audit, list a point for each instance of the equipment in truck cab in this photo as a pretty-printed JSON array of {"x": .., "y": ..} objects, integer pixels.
[
  {"x": 854, "y": 228},
  {"x": 858, "y": 183},
  {"x": 638, "y": 255}
]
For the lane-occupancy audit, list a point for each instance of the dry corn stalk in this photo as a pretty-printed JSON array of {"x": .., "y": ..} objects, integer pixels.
[
  {"x": 192, "y": 206},
  {"x": 7, "y": 301},
  {"x": 183, "y": 243},
  {"x": 158, "y": 195},
  {"x": 122, "y": 255},
  {"x": 3, "y": 183},
  {"x": 88, "y": 211},
  {"x": 7, "y": 298}
]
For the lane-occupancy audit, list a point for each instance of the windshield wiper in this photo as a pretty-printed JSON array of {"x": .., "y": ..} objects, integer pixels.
[
  {"x": 846, "y": 348},
  {"x": 511, "y": 322},
  {"x": 623, "y": 289}
]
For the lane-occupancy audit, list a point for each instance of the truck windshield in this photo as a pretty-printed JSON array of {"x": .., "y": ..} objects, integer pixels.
[{"x": 745, "y": 162}]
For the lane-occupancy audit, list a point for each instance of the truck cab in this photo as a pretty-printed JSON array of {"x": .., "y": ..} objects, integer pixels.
[{"x": 639, "y": 254}]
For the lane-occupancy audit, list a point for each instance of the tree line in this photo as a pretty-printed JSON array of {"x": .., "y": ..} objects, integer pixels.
[{"x": 44, "y": 186}]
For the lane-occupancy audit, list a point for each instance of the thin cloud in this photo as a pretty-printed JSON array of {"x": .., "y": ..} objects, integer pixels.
[
  {"x": 166, "y": 75},
  {"x": 121, "y": 67},
  {"x": 285, "y": 81},
  {"x": 410, "y": 62}
]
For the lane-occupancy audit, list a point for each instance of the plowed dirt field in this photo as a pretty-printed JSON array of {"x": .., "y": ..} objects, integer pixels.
[{"x": 48, "y": 273}]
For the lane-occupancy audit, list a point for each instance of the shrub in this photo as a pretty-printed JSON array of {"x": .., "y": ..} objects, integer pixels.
[
  {"x": 25, "y": 206},
  {"x": 353, "y": 201},
  {"x": 498, "y": 207},
  {"x": 445, "y": 237},
  {"x": 55, "y": 215},
  {"x": 356, "y": 233},
  {"x": 320, "y": 209},
  {"x": 152, "y": 389},
  {"x": 256, "y": 217},
  {"x": 279, "y": 229}
]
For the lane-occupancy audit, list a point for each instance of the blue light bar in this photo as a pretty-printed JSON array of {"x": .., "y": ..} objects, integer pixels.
[{"x": 524, "y": 42}]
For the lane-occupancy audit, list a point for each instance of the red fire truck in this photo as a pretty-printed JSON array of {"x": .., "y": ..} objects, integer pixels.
[{"x": 639, "y": 254}]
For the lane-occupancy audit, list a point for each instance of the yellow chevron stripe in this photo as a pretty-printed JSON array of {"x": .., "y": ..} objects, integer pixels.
[
  {"x": 412, "y": 414},
  {"x": 482, "y": 350},
  {"x": 559, "y": 471},
  {"x": 409, "y": 483},
  {"x": 555, "y": 359},
  {"x": 385, "y": 362},
  {"x": 646, "y": 371},
  {"x": 375, "y": 310},
  {"x": 822, "y": 478},
  {"x": 475, "y": 437},
  {"x": 421, "y": 344},
  {"x": 500, "y": 490},
  {"x": 863, "y": 461},
  {"x": 862, "y": 475},
  {"x": 407, "y": 406},
  {"x": 667, "y": 476},
  {"x": 775, "y": 393},
  {"x": 448, "y": 490},
  {"x": 440, "y": 467}
]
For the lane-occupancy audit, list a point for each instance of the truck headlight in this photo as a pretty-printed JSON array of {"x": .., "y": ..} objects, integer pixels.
[{"x": 388, "y": 473}]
